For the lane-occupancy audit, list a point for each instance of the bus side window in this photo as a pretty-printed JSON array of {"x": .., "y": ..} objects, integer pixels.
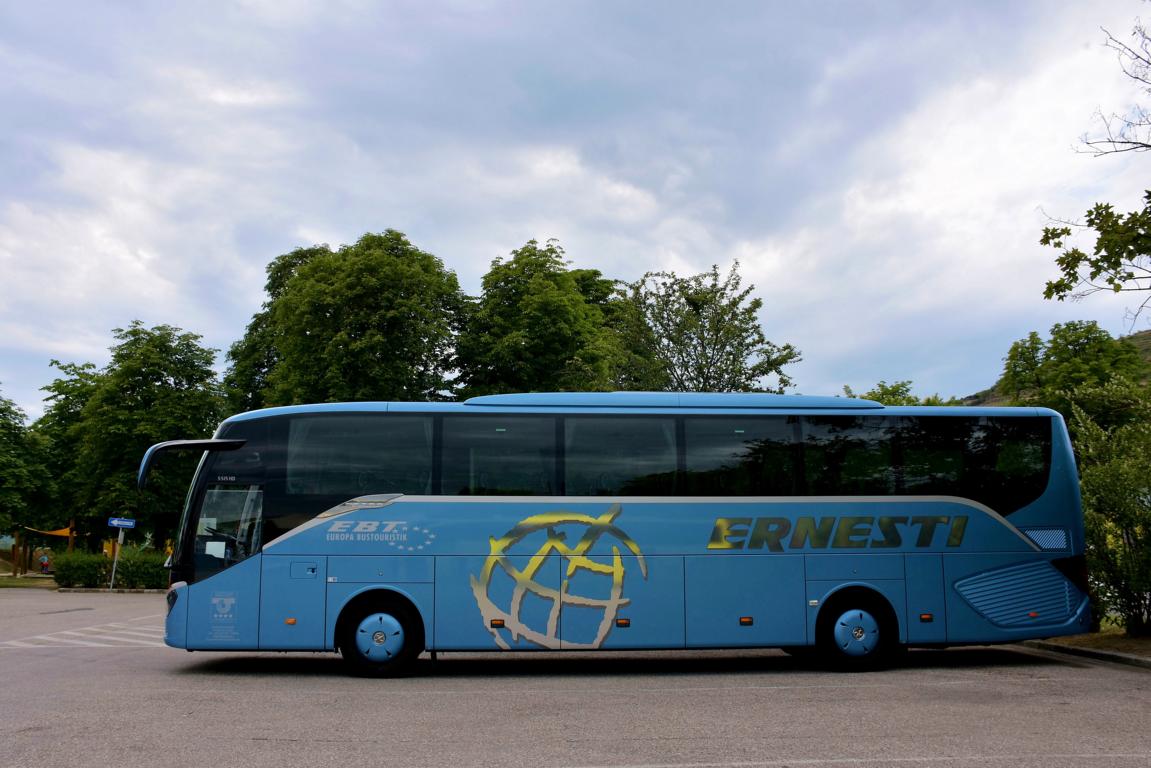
[
  {"x": 740, "y": 456},
  {"x": 849, "y": 455},
  {"x": 933, "y": 450},
  {"x": 619, "y": 456},
  {"x": 1010, "y": 461},
  {"x": 499, "y": 455},
  {"x": 358, "y": 455}
]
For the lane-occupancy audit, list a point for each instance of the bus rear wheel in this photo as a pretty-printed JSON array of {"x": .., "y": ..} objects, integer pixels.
[
  {"x": 857, "y": 633},
  {"x": 380, "y": 639}
]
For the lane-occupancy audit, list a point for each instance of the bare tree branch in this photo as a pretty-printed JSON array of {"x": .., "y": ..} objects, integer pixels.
[{"x": 1130, "y": 132}]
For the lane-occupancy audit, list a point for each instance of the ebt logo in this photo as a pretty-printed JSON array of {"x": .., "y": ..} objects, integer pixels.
[{"x": 398, "y": 534}]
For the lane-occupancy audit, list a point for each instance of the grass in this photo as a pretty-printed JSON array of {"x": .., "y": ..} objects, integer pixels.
[
  {"x": 27, "y": 582},
  {"x": 30, "y": 581},
  {"x": 1109, "y": 639}
]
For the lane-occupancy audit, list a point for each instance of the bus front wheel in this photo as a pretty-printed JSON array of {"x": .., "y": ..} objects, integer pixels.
[
  {"x": 857, "y": 632},
  {"x": 380, "y": 639}
]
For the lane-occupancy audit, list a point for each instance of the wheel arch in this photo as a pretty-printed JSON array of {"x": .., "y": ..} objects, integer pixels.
[
  {"x": 373, "y": 595},
  {"x": 862, "y": 593}
]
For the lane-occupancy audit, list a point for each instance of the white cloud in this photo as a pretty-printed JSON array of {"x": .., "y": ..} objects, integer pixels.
[
  {"x": 222, "y": 90},
  {"x": 883, "y": 194},
  {"x": 131, "y": 242},
  {"x": 935, "y": 234}
]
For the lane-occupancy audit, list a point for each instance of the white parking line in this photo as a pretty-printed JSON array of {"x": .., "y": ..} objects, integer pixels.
[
  {"x": 1078, "y": 758},
  {"x": 126, "y": 634},
  {"x": 113, "y": 630},
  {"x": 90, "y": 634}
]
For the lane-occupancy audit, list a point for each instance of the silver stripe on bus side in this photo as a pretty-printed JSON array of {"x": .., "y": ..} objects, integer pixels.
[{"x": 384, "y": 500}]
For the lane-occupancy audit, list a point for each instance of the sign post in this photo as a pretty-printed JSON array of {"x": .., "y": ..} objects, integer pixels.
[{"x": 121, "y": 523}]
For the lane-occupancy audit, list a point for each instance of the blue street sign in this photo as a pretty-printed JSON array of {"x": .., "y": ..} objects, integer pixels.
[{"x": 121, "y": 522}]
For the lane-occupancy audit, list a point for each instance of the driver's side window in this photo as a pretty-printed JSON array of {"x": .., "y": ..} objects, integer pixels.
[{"x": 231, "y": 522}]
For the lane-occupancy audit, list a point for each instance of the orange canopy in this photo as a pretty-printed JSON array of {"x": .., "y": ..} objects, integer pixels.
[{"x": 61, "y": 532}]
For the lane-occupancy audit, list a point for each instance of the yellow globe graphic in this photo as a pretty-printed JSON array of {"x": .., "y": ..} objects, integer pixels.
[{"x": 578, "y": 559}]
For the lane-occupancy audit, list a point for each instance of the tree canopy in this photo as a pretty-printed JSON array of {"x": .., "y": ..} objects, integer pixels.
[
  {"x": 898, "y": 393},
  {"x": 1119, "y": 261},
  {"x": 159, "y": 385},
  {"x": 255, "y": 355},
  {"x": 24, "y": 479},
  {"x": 372, "y": 321},
  {"x": 1044, "y": 372},
  {"x": 1116, "y": 486},
  {"x": 705, "y": 333},
  {"x": 538, "y": 326}
]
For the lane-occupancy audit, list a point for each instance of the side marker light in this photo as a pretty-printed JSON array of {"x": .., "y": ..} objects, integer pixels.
[
  {"x": 746, "y": 621},
  {"x": 927, "y": 618},
  {"x": 290, "y": 622},
  {"x": 497, "y": 623},
  {"x": 623, "y": 622}
]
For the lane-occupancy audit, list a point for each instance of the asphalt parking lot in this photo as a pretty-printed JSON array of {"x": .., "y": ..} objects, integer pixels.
[{"x": 86, "y": 681}]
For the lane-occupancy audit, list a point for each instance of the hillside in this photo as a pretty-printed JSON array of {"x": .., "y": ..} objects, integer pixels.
[
  {"x": 993, "y": 396},
  {"x": 1142, "y": 341}
]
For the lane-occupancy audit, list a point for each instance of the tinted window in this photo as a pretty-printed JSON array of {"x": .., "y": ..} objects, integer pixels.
[
  {"x": 740, "y": 456},
  {"x": 358, "y": 455},
  {"x": 247, "y": 464},
  {"x": 1002, "y": 462},
  {"x": 849, "y": 455},
  {"x": 619, "y": 456},
  {"x": 1010, "y": 461},
  {"x": 507, "y": 455},
  {"x": 934, "y": 453},
  {"x": 227, "y": 525}
]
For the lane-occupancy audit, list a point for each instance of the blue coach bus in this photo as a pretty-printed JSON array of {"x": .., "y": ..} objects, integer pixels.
[{"x": 627, "y": 520}]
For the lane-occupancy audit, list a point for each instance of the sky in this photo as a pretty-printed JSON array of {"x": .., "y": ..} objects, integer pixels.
[{"x": 881, "y": 171}]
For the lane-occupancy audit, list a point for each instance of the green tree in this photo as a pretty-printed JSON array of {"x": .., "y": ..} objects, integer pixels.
[
  {"x": 705, "y": 334},
  {"x": 255, "y": 355},
  {"x": 372, "y": 321},
  {"x": 539, "y": 326},
  {"x": 1119, "y": 261},
  {"x": 159, "y": 385},
  {"x": 1077, "y": 354},
  {"x": 1116, "y": 487},
  {"x": 637, "y": 367},
  {"x": 24, "y": 480},
  {"x": 1120, "y": 258},
  {"x": 898, "y": 393},
  {"x": 60, "y": 431}
]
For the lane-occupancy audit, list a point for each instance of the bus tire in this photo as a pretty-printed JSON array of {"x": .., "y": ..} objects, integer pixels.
[
  {"x": 380, "y": 638},
  {"x": 857, "y": 631}
]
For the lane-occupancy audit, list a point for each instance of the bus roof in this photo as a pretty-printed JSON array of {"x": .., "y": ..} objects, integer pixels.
[
  {"x": 575, "y": 401},
  {"x": 670, "y": 400},
  {"x": 639, "y": 402}
]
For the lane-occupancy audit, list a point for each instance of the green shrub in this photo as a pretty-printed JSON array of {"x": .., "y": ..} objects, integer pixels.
[
  {"x": 81, "y": 569},
  {"x": 1116, "y": 486},
  {"x": 141, "y": 569}
]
